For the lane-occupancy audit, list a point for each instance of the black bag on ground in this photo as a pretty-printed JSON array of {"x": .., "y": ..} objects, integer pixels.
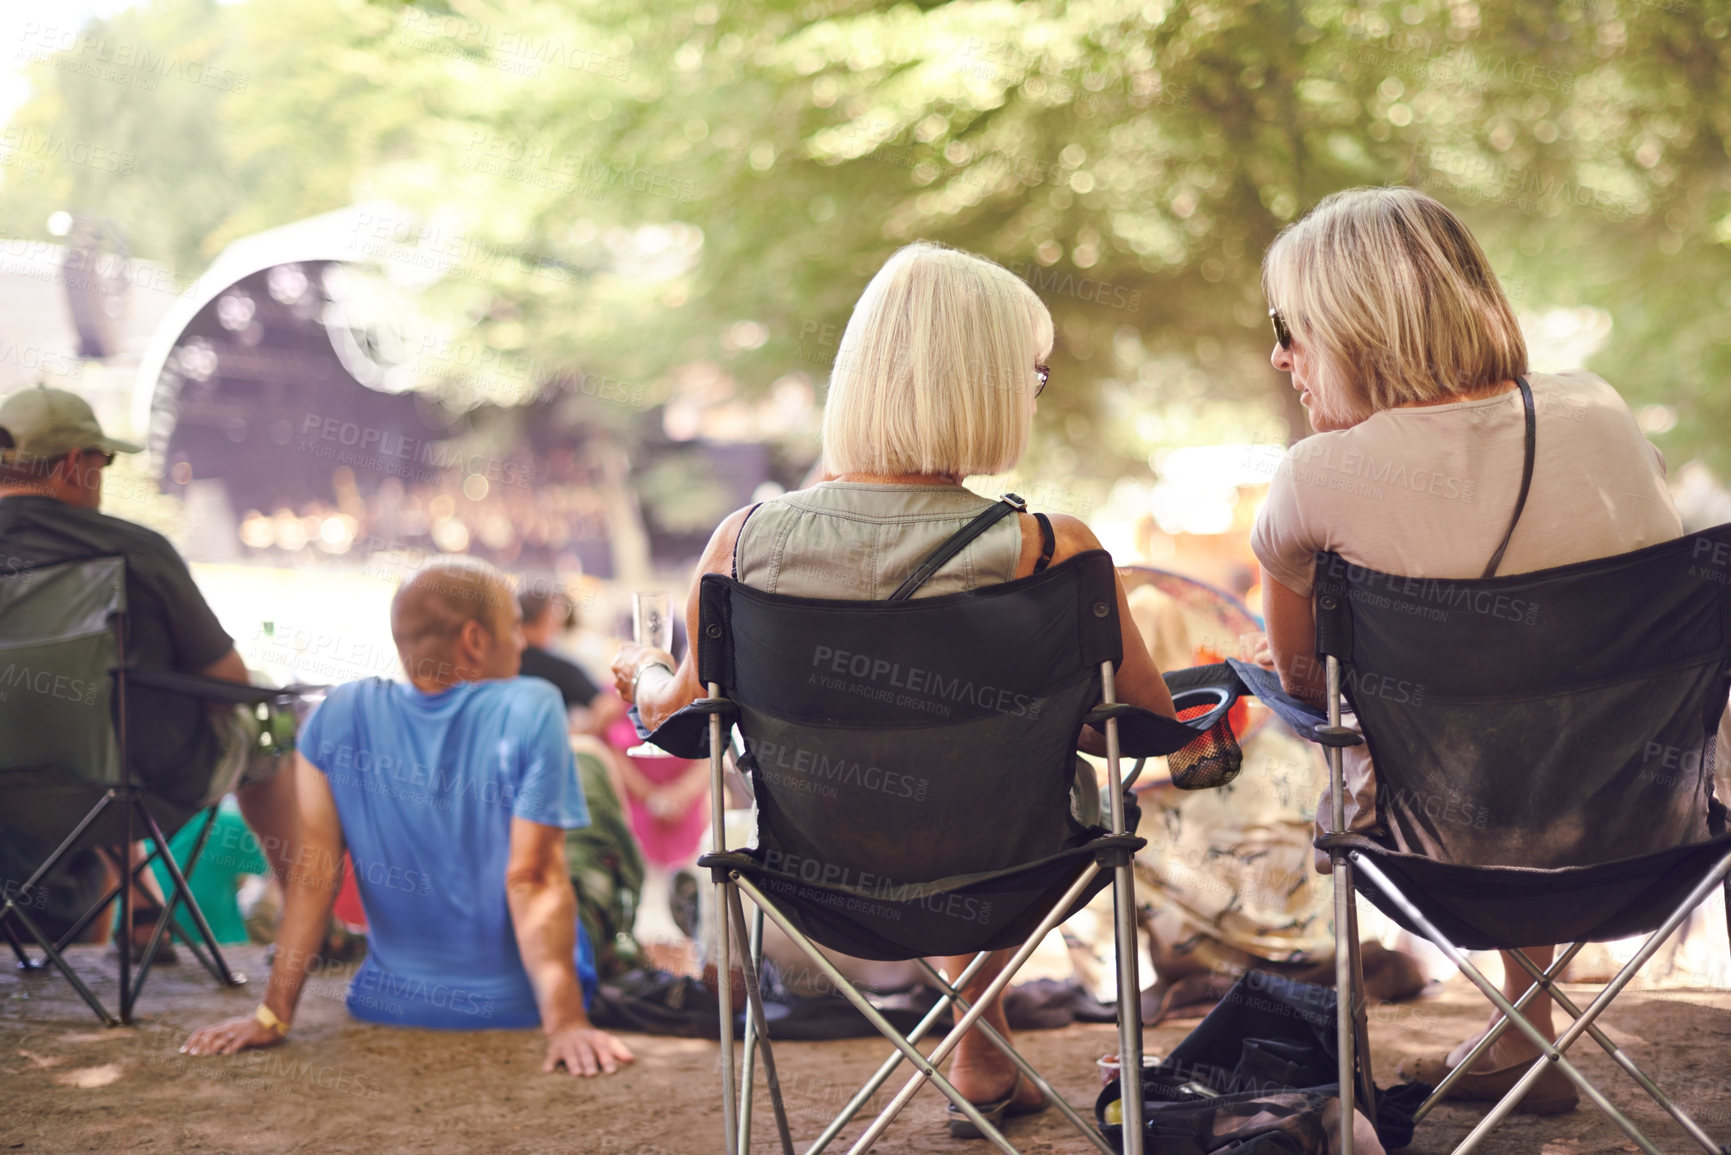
[
  {"x": 657, "y": 1002},
  {"x": 1256, "y": 1076}
]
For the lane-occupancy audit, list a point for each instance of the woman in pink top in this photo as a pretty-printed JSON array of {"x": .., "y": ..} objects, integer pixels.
[
  {"x": 1405, "y": 353},
  {"x": 668, "y": 797}
]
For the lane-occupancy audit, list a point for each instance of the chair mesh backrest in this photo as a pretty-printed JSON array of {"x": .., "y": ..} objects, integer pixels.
[
  {"x": 905, "y": 742},
  {"x": 1556, "y": 718},
  {"x": 57, "y": 649}
]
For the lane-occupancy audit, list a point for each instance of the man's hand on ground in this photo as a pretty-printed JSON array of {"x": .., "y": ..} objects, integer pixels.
[
  {"x": 229, "y": 1037},
  {"x": 584, "y": 1051}
]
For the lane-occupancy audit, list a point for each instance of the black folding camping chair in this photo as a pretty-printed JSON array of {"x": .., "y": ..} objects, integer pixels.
[
  {"x": 64, "y": 774},
  {"x": 911, "y": 764},
  {"x": 1543, "y": 750}
]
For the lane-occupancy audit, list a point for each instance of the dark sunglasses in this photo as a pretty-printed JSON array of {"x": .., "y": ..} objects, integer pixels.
[
  {"x": 107, "y": 456},
  {"x": 1045, "y": 374},
  {"x": 1281, "y": 333}
]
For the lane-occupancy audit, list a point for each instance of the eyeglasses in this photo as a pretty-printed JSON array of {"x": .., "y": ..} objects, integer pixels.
[
  {"x": 1044, "y": 375},
  {"x": 106, "y": 455},
  {"x": 1281, "y": 333}
]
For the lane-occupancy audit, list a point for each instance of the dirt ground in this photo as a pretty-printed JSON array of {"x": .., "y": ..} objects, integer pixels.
[{"x": 67, "y": 1084}]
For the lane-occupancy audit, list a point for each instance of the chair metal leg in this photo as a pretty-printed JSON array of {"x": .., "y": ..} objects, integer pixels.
[
  {"x": 1345, "y": 922},
  {"x": 1124, "y": 925},
  {"x": 748, "y": 1067},
  {"x": 101, "y": 905},
  {"x": 1346, "y": 1038},
  {"x": 182, "y": 889},
  {"x": 1491, "y": 1036},
  {"x": 53, "y": 860},
  {"x": 214, "y": 963},
  {"x": 724, "y": 959},
  {"x": 42, "y": 871},
  {"x": 1552, "y": 1051},
  {"x": 1715, "y": 877},
  {"x": 1618, "y": 1055},
  {"x": 755, "y": 1018},
  {"x": 1357, "y": 1005},
  {"x": 878, "y": 1079},
  {"x": 926, "y": 1068},
  {"x": 65, "y": 968},
  {"x": 1088, "y": 1130},
  {"x": 126, "y": 991},
  {"x": 49, "y": 947},
  {"x": 17, "y": 944},
  {"x": 967, "y": 1021}
]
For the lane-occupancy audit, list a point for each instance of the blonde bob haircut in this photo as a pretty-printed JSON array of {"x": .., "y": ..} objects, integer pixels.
[
  {"x": 1395, "y": 301},
  {"x": 935, "y": 372}
]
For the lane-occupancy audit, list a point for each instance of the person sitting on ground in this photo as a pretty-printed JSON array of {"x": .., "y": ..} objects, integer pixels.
[
  {"x": 52, "y": 455},
  {"x": 452, "y": 794},
  {"x": 941, "y": 363},
  {"x": 545, "y": 615},
  {"x": 1406, "y": 355}
]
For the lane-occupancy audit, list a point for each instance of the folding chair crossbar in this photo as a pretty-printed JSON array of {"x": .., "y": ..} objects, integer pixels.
[
  {"x": 58, "y": 961},
  {"x": 755, "y": 1023},
  {"x": 882, "y": 1074},
  {"x": 182, "y": 889},
  {"x": 132, "y": 983},
  {"x": 1088, "y": 1130},
  {"x": 1489, "y": 1038},
  {"x": 215, "y": 964},
  {"x": 71, "y": 934},
  {"x": 996, "y": 988},
  {"x": 1552, "y": 1050},
  {"x": 927, "y": 1068},
  {"x": 1545, "y": 979},
  {"x": 747, "y": 1072}
]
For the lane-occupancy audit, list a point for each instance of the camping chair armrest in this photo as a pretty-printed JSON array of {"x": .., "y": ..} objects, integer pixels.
[
  {"x": 1307, "y": 721},
  {"x": 213, "y": 689},
  {"x": 686, "y": 733},
  {"x": 1142, "y": 733}
]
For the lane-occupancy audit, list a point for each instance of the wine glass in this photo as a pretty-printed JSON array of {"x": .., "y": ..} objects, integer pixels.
[{"x": 651, "y": 625}]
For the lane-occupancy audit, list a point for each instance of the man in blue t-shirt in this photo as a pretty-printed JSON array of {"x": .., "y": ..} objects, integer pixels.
[{"x": 451, "y": 795}]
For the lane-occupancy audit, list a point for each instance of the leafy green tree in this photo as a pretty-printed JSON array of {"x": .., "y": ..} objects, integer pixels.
[{"x": 1131, "y": 159}]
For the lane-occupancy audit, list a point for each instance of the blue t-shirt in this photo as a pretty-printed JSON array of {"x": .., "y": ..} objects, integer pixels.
[{"x": 426, "y": 786}]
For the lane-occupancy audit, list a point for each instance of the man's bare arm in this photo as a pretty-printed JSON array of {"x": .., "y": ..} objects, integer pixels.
[
  {"x": 544, "y": 916},
  {"x": 315, "y": 874}
]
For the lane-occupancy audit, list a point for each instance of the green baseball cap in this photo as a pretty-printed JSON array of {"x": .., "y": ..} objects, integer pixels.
[{"x": 40, "y": 423}]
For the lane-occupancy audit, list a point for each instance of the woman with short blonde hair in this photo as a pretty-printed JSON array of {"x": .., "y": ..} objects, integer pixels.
[
  {"x": 936, "y": 380},
  {"x": 1412, "y": 367},
  {"x": 933, "y": 371},
  {"x": 1395, "y": 300}
]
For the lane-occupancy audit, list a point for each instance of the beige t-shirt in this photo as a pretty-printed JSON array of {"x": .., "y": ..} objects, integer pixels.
[{"x": 1428, "y": 492}]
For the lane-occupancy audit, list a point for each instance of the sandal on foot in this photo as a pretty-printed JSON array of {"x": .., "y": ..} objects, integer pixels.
[
  {"x": 1553, "y": 1094},
  {"x": 962, "y": 1127}
]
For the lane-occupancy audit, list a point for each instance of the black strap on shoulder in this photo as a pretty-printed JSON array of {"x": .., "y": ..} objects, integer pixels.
[
  {"x": 1526, "y": 476},
  {"x": 733, "y": 565},
  {"x": 1048, "y": 542},
  {"x": 956, "y": 543}
]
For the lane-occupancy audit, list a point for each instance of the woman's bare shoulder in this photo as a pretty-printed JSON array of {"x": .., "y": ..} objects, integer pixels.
[
  {"x": 1072, "y": 536},
  {"x": 718, "y": 554}
]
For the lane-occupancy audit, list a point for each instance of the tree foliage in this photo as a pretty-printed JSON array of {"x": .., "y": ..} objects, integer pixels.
[{"x": 1132, "y": 160}]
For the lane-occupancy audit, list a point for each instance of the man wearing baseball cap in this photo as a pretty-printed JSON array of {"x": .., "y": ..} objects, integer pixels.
[{"x": 52, "y": 454}]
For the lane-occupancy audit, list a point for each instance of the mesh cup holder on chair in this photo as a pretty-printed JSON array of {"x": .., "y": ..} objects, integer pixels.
[{"x": 1214, "y": 758}]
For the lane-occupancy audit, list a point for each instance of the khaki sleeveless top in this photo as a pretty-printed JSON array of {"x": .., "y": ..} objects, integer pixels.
[{"x": 856, "y": 541}]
